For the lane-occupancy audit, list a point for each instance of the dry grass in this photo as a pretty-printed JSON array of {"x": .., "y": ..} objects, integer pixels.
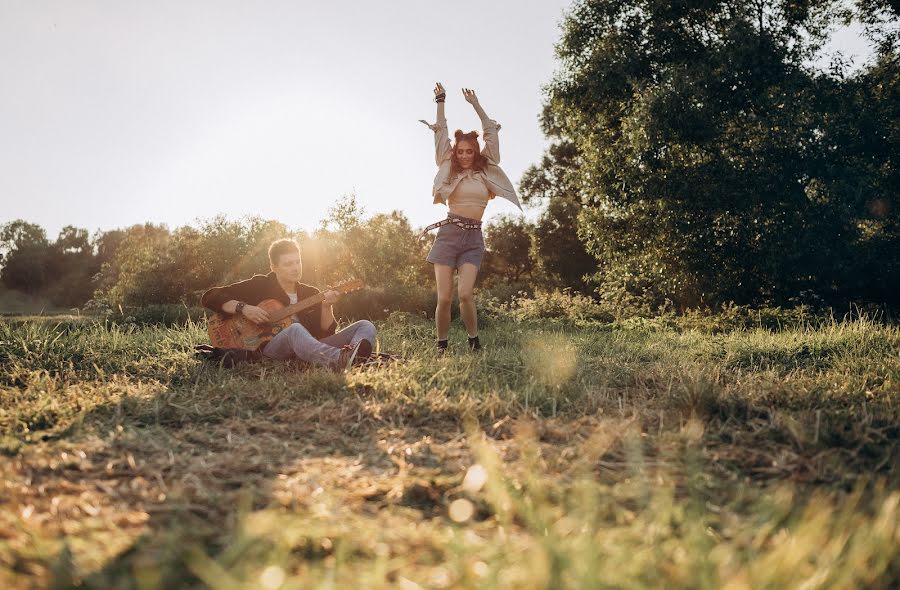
[{"x": 596, "y": 457}]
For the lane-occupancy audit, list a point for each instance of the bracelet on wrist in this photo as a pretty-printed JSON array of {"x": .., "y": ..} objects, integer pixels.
[
  {"x": 440, "y": 97},
  {"x": 239, "y": 308}
]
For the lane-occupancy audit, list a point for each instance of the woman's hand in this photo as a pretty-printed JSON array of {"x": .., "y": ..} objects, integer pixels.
[
  {"x": 469, "y": 95},
  {"x": 439, "y": 90}
]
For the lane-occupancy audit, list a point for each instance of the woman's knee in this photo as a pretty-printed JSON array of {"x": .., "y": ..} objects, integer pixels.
[
  {"x": 466, "y": 297},
  {"x": 444, "y": 299}
]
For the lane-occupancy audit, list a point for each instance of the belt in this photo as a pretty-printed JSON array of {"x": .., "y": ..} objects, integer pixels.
[{"x": 455, "y": 221}]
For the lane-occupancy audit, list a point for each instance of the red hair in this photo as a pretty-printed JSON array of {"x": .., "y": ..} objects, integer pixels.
[{"x": 480, "y": 162}]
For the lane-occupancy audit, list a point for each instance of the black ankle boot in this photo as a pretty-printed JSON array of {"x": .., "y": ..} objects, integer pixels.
[
  {"x": 442, "y": 346},
  {"x": 474, "y": 344}
]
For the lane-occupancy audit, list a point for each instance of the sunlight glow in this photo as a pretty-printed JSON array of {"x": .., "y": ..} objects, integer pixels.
[
  {"x": 272, "y": 577},
  {"x": 551, "y": 359}
]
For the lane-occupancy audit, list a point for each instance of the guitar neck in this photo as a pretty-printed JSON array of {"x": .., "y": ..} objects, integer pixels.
[{"x": 290, "y": 310}]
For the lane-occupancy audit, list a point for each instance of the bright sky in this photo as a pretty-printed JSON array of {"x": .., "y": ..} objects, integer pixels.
[
  {"x": 118, "y": 112},
  {"x": 114, "y": 113}
]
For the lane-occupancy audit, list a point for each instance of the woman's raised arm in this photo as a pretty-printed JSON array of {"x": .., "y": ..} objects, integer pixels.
[
  {"x": 442, "y": 149},
  {"x": 489, "y": 127},
  {"x": 470, "y": 97},
  {"x": 439, "y": 97}
]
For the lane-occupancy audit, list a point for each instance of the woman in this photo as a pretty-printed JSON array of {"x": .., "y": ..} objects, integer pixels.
[{"x": 467, "y": 178}]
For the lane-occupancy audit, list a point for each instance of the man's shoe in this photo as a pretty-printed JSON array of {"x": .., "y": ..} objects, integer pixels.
[
  {"x": 364, "y": 353},
  {"x": 348, "y": 355}
]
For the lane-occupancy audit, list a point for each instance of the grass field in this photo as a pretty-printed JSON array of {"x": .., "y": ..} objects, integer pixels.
[{"x": 566, "y": 455}]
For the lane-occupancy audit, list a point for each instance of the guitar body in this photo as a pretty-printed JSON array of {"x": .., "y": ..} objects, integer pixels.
[{"x": 236, "y": 331}]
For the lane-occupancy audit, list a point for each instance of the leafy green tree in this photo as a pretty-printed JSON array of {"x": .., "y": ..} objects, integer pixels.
[
  {"x": 383, "y": 250},
  {"x": 61, "y": 271},
  {"x": 24, "y": 252},
  {"x": 857, "y": 179},
  {"x": 138, "y": 248},
  {"x": 699, "y": 132},
  {"x": 71, "y": 265},
  {"x": 509, "y": 257},
  {"x": 560, "y": 256}
]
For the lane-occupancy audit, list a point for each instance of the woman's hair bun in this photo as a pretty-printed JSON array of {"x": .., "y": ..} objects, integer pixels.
[{"x": 460, "y": 134}]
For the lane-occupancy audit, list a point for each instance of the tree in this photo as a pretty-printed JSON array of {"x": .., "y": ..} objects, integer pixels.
[
  {"x": 71, "y": 266},
  {"x": 383, "y": 250},
  {"x": 24, "y": 252},
  {"x": 508, "y": 242},
  {"x": 699, "y": 137},
  {"x": 559, "y": 254}
]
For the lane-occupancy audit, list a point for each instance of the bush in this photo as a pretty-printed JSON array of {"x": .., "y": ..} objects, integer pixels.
[
  {"x": 378, "y": 303},
  {"x": 549, "y": 304}
]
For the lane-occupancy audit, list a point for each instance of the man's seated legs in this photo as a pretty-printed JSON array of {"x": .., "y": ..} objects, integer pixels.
[{"x": 296, "y": 341}]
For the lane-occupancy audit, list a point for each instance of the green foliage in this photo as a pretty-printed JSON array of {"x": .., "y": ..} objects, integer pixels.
[
  {"x": 508, "y": 258},
  {"x": 154, "y": 266},
  {"x": 24, "y": 249},
  {"x": 549, "y": 304},
  {"x": 383, "y": 250},
  {"x": 711, "y": 164},
  {"x": 61, "y": 271},
  {"x": 559, "y": 252},
  {"x": 151, "y": 273}
]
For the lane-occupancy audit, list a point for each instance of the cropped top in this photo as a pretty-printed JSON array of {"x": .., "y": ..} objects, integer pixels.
[{"x": 470, "y": 190}]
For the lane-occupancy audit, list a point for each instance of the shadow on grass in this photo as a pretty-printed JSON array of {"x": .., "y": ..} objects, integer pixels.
[{"x": 135, "y": 484}]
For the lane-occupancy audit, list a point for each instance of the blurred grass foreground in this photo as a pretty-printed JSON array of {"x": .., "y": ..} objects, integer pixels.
[{"x": 573, "y": 453}]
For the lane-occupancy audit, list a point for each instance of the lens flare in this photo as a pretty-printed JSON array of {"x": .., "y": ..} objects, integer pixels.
[{"x": 551, "y": 359}]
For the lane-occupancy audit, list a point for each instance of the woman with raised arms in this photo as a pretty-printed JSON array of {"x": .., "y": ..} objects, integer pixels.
[{"x": 468, "y": 177}]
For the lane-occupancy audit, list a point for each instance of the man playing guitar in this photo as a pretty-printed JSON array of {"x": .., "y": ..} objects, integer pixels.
[{"x": 311, "y": 336}]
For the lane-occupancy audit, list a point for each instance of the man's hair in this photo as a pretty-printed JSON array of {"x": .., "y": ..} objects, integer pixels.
[{"x": 282, "y": 246}]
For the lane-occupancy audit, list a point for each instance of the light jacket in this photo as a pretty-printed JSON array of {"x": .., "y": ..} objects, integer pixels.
[{"x": 494, "y": 178}]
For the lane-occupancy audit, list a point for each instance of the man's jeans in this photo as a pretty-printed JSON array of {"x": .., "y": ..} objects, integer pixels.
[{"x": 296, "y": 341}]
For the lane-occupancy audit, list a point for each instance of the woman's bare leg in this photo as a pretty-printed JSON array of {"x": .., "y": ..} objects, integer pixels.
[
  {"x": 443, "y": 277},
  {"x": 467, "y": 275}
]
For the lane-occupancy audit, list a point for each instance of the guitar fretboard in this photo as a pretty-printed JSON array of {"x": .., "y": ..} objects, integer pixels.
[
  {"x": 290, "y": 310},
  {"x": 277, "y": 316}
]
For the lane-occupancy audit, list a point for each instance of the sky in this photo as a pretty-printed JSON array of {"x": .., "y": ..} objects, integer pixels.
[{"x": 120, "y": 112}]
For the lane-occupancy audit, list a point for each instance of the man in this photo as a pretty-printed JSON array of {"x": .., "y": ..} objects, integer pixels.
[{"x": 312, "y": 336}]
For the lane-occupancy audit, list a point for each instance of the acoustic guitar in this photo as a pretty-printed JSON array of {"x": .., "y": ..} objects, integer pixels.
[{"x": 236, "y": 331}]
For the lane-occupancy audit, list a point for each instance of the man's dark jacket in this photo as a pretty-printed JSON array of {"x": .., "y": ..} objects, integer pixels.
[{"x": 262, "y": 287}]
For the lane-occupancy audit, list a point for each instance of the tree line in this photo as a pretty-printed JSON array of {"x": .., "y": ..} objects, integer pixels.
[{"x": 149, "y": 264}]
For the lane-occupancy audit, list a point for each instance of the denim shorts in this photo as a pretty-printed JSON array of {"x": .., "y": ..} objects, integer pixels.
[{"x": 454, "y": 246}]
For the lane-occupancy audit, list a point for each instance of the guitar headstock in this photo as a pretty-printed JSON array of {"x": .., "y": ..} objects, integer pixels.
[{"x": 348, "y": 286}]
